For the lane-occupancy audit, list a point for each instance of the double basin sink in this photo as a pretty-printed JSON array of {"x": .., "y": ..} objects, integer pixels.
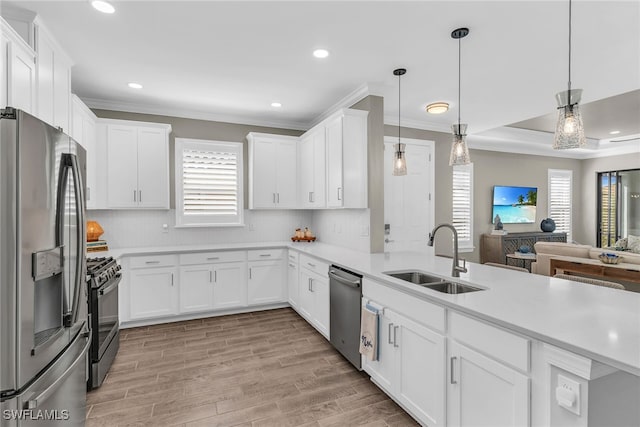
[{"x": 432, "y": 282}]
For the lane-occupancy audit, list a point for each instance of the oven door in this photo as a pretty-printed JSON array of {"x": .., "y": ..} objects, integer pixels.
[{"x": 105, "y": 316}]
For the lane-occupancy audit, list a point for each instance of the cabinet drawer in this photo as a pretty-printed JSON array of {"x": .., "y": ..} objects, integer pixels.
[
  {"x": 493, "y": 341},
  {"x": 212, "y": 257},
  {"x": 265, "y": 254},
  {"x": 152, "y": 261},
  {"x": 314, "y": 264},
  {"x": 419, "y": 310},
  {"x": 293, "y": 256}
]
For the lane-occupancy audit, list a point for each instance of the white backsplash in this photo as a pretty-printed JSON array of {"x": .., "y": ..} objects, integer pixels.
[
  {"x": 133, "y": 228},
  {"x": 348, "y": 228}
]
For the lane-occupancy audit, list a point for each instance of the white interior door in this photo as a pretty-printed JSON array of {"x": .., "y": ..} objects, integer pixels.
[{"x": 408, "y": 200}]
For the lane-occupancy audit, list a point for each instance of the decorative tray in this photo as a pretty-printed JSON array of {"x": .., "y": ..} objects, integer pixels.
[
  {"x": 610, "y": 258},
  {"x": 303, "y": 239}
]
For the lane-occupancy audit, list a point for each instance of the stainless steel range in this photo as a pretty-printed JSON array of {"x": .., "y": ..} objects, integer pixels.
[{"x": 103, "y": 279}]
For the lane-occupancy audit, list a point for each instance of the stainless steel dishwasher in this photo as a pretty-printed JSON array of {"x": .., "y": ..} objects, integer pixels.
[{"x": 345, "y": 294}]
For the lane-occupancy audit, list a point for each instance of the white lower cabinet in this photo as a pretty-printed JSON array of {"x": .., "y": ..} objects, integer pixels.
[
  {"x": 266, "y": 282},
  {"x": 205, "y": 287},
  {"x": 293, "y": 278},
  {"x": 229, "y": 290},
  {"x": 482, "y": 391},
  {"x": 153, "y": 292},
  {"x": 314, "y": 299},
  {"x": 410, "y": 366}
]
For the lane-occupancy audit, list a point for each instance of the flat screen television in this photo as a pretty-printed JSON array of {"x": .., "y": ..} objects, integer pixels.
[{"x": 515, "y": 205}]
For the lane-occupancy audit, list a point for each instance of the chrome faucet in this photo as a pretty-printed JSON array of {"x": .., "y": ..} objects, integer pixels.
[{"x": 455, "y": 269}]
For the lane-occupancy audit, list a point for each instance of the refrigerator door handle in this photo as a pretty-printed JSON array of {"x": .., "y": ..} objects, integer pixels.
[
  {"x": 70, "y": 161},
  {"x": 46, "y": 393}
]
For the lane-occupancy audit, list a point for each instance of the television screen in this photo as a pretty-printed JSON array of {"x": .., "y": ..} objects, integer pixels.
[{"x": 515, "y": 205}]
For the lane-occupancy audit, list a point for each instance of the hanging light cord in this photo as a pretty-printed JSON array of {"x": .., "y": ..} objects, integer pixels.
[
  {"x": 569, "y": 91},
  {"x": 399, "y": 79},
  {"x": 459, "y": 80}
]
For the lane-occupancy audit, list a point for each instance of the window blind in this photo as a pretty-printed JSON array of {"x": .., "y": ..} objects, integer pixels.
[
  {"x": 208, "y": 183},
  {"x": 462, "y": 208},
  {"x": 560, "y": 186}
]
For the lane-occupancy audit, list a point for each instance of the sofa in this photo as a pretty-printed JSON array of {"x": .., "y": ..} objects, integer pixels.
[{"x": 547, "y": 250}]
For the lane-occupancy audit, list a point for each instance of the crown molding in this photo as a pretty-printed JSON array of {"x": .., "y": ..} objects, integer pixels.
[
  {"x": 191, "y": 114},
  {"x": 357, "y": 95}
]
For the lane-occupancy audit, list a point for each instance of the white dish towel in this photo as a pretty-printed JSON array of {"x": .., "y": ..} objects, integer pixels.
[{"x": 369, "y": 332}]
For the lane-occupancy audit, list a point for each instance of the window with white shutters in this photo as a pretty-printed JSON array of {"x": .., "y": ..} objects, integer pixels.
[
  {"x": 463, "y": 205},
  {"x": 208, "y": 183},
  {"x": 560, "y": 186}
]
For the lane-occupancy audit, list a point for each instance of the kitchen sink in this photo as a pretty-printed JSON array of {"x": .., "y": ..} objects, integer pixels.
[
  {"x": 417, "y": 277},
  {"x": 451, "y": 287},
  {"x": 432, "y": 282}
]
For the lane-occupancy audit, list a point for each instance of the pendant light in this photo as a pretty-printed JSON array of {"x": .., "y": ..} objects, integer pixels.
[
  {"x": 569, "y": 130},
  {"x": 459, "y": 150},
  {"x": 399, "y": 158}
]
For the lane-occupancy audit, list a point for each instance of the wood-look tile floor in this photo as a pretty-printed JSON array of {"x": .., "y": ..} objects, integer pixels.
[{"x": 266, "y": 368}]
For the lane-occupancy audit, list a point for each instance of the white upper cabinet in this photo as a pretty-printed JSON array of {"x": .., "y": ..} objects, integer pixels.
[
  {"x": 346, "y": 136},
  {"x": 137, "y": 173},
  {"x": 18, "y": 68},
  {"x": 272, "y": 171},
  {"x": 312, "y": 163},
  {"x": 54, "y": 80},
  {"x": 83, "y": 130}
]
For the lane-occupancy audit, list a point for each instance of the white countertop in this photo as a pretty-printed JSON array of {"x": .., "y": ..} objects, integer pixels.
[{"x": 596, "y": 322}]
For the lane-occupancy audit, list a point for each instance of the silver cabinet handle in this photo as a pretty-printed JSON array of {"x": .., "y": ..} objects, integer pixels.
[
  {"x": 171, "y": 279},
  {"x": 451, "y": 380},
  {"x": 213, "y": 258},
  {"x": 88, "y": 193},
  {"x": 249, "y": 272},
  {"x": 265, "y": 255},
  {"x": 134, "y": 196},
  {"x": 395, "y": 336},
  {"x": 310, "y": 197},
  {"x": 313, "y": 196},
  {"x": 311, "y": 284},
  {"x": 215, "y": 276},
  {"x": 274, "y": 197},
  {"x": 389, "y": 339},
  {"x": 140, "y": 196},
  {"x": 210, "y": 276},
  {"x": 311, "y": 265},
  {"x": 152, "y": 262},
  {"x": 292, "y": 265},
  {"x": 278, "y": 197},
  {"x": 339, "y": 193}
]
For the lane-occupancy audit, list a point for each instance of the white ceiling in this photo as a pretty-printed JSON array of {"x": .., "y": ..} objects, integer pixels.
[{"x": 230, "y": 60}]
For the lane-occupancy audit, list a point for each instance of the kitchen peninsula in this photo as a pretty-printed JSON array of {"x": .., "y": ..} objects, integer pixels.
[{"x": 556, "y": 344}]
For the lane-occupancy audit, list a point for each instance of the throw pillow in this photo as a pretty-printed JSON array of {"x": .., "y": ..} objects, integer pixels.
[
  {"x": 633, "y": 244},
  {"x": 622, "y": 244}
]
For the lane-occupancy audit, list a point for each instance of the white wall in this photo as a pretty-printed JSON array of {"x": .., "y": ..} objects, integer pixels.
[
  {"x": 349, "y": 228},
  {"x": 132, "y": 228}
]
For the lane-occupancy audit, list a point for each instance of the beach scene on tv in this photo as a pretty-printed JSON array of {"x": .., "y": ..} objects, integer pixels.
[{"x": 515, "y": 205}]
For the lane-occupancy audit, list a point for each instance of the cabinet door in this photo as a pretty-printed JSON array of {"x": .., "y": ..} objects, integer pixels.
[
  {"x": 319, "y": 197},
  {"x": 305, "y": 296},
  {"x": 266, "y": 280},
  {"x": 122, "y": 167},
  {"x": 420, "y": 370},
  {"x": 286, "y": 174},
  {"x": 383, "y": 369},
  {"x": 263, "y": 174},
  {"x": 334, "y": 164},
  {"x": 321, "y": 302},
  {"x": 229, "y": 285},
  {"x": 153, "y": 292},
  {"x": 89, "y": 143},
  {"x": 61, "y": 93},
  {"x": 292, "y": 283},
  {"x": 306, "y": 171},
  {"x": 21, "y": 78},
  {"x": 484, "y": 392},
  {"x": 153, "y": 168},
  {"x": 46, "y": 61},
  {"x": 196, "y": 288}
]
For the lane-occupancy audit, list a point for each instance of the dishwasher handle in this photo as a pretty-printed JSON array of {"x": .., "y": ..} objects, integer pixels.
[{"x": 352, "y": 283}]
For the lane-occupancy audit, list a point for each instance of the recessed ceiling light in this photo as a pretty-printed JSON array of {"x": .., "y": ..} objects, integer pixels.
[
  {"x": 276, "y": 104},
  {"x": 437, "y": 108},
  {"x": 103, "y": 6},
  {"x": 321, "y": 53},
  {"x": 135, "y": 85},
  {"x": 614, "y": 132}
]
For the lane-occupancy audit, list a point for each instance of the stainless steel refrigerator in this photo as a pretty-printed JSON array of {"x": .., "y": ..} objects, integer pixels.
[{"x": 44, "y": 333}]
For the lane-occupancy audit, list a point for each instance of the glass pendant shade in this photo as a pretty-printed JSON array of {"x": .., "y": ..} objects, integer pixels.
[
  {"x": 459, "y": 150},
  {"x": 569, "y": 129},
  {"x": 399, "y": 160}
]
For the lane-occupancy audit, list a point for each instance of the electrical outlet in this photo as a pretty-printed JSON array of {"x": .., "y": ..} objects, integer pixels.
[
  {"x": 165, "y": 228},
  {"x": 251, "y": 227},
  {"x": 568, "y": 394},
  {"x": 365, "y": 231}
]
